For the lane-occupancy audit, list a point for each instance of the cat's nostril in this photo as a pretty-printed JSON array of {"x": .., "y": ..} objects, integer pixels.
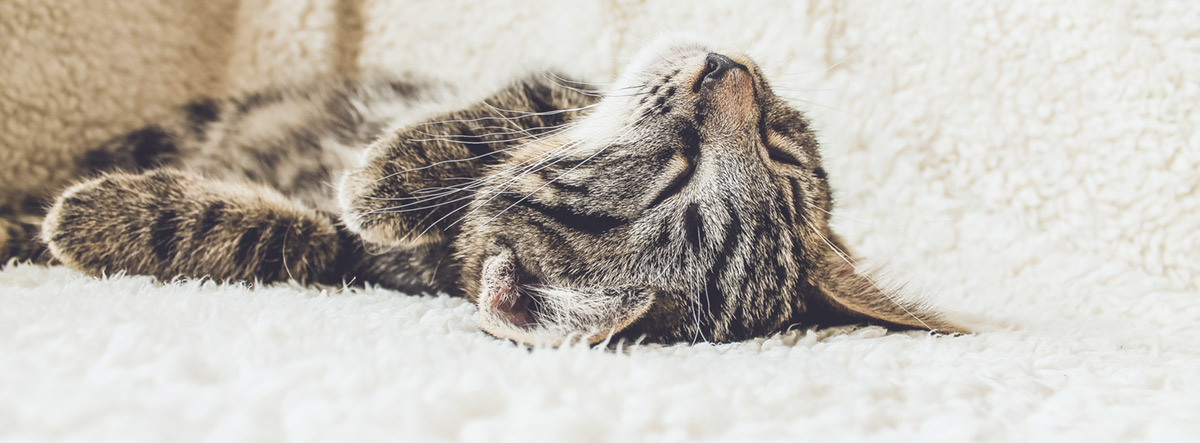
[{"x": 716, "y": 65}]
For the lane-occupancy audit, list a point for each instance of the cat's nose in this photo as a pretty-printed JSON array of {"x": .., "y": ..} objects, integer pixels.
[
  {"x": 726, "y": 92},
  {"x": 716, "y": 65}
]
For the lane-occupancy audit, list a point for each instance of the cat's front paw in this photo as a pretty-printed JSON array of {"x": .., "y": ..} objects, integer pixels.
[{"x": 385, "y": 205}]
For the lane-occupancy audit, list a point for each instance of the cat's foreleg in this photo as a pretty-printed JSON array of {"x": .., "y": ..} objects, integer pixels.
[{"x": 417, "y": 181}]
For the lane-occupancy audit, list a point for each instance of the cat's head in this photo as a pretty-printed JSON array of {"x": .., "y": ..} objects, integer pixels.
[
  {"x": 684, "y": 202},
  {"x": 690, "y": 203}
]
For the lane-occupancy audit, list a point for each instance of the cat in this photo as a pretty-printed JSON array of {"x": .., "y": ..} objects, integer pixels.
[{"x": 685, "y": 202}]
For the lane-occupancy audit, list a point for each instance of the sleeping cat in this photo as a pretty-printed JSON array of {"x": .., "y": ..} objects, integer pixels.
[{"x": 686, "y": 202}]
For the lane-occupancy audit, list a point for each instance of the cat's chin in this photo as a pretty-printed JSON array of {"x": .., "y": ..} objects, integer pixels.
[{"x": 513, "y": 305}]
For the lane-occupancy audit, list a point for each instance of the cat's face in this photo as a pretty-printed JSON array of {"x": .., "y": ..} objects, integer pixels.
[{"x": 688, "y": 204}]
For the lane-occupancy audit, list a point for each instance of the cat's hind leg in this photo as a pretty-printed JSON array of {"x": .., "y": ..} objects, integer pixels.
[{"x": 168, "y": 223}]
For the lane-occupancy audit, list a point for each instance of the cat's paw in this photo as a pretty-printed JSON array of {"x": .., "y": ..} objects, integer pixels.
[
  {"x": 168, "y": 223},
  {"x": 390, "y": 201},
  {"x": 418, "y": 182}
]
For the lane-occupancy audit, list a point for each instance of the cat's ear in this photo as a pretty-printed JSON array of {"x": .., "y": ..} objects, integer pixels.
[
  {"x": 851, "y": 296},
  {"x": 515, "y": 306},
  {"x": 416, "y": 181}
]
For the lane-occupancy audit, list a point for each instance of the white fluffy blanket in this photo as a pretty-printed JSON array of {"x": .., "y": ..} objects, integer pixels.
[{"x": 1031, "y": 167}]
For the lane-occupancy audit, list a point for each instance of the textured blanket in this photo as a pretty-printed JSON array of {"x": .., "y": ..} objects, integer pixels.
[{"x": 1030, "y": 168}]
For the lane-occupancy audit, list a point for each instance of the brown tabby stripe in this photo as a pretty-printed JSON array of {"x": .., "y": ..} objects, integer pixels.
[
  {"x": 272, "y": 260},
  {"x": 555, "y": 182},
  {"x": 163, "y": 234},
  {"x": 717, "y": 273},
  {"x": 691, "y": 153},
  {"x": 246, "y": 242},
  {"x": 693, "y": 225},
  {"x": 200, "y": 114},
  {"x": 150, "y": 146},
  {"x": 797, "y": 197},
  {"x": 209, "y": 218},
  {"x": 591, "y": 223}
]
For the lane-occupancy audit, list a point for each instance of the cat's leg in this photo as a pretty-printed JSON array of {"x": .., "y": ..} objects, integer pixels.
[
  {"x": 168, "y": 223},
  {"x": 418, "y": 180}
]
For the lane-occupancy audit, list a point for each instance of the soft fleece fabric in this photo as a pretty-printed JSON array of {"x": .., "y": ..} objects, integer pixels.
[{"x": 1029, "y": 167}]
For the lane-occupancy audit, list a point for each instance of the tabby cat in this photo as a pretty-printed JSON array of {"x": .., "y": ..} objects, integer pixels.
[{"x": 686, "y": 202}]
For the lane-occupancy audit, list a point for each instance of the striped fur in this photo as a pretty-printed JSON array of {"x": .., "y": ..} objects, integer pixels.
[
  {"x": 170, "y": 223},
  {"x": 686, "y": 202}
]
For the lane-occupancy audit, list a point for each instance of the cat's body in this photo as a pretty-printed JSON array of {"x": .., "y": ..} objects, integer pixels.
[
  {"x": 282, "y": 148},
  {"x": 685, "y": 203}
]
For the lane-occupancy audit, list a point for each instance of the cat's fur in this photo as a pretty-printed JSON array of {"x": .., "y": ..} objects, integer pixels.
[{"x": 687, "y": 202}]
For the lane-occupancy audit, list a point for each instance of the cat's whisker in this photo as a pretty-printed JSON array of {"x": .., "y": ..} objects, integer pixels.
[
  {"x": 471, "y": 189},
  {"x": 812, "y": 103},
  {"x": 886, "y": 225},
  {"x": 443, "y": 162},
  {"x": 556, "y": 129},
  {"x": 505, "y": 185},
  {"x": 408, "y": 207},
  {"x": 283, "y": 255},
  {"x": 435, "y": 192},
  {"x": 841, "y": 60},
  {"x": 843, "y": 217},
  {"x": 450, "y": 137},
  {"x": 707, "y": 300},
  {"x": 481, "y": 142},
  {"x": 516, "y": 177},
  {"x": 521, "y": 114},
  {"x": 634, "y": 94},
  {"x": 626, "y": 130},
  {"x": 563, "y": 83},
  {"x": 556, "y": 78},
  {"x": 777, "y": 88}
]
